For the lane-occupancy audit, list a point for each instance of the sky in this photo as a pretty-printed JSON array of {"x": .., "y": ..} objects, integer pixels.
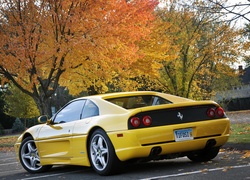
[{"x": 242, "y": 10}]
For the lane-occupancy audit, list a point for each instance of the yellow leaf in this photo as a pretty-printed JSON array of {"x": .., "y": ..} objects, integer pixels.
[{"x": 246, "y": 154}]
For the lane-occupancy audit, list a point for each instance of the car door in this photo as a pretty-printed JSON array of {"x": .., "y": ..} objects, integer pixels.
[{"x": 55, "y": 139}]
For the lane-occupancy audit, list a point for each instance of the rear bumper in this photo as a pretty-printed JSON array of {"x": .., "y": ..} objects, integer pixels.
[
  {"x": 139, "y": 143},
  {"x": 168, "y": 148}
]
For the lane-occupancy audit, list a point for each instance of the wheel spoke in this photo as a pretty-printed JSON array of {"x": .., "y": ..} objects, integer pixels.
[
  {"x": 94, "y": 153},
  {"x": 104, "y": 154},
  {"x": 104, "y": 151},
  {"x": 26, "y": 156},
  {"x": 32, "y": 162},
  {"x": 103, "y": 161},
  {"x": 30, "y": 148},
  {"x": 37, "y": 156},
  {"x": 94, "y": 147},
  {"x": 100, "y": 142}
]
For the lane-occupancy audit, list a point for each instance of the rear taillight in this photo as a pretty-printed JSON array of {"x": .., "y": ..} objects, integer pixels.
[
  {"x": 219, "y": 112},
  {"x": 135, "y": 121},
  {"x": 147, "y": 120},
  {"x": 211, "y": 113}
]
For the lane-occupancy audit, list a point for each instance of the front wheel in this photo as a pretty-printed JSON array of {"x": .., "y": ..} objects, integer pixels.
[
  {"x": 29, "y": 158},
  {"x": 204, "y": 155},
  {"x": 102, "y": 155}
]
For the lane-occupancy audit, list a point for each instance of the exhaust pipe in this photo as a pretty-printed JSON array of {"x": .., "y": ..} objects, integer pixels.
[
  {"x": 155, "y": 151},
  {"x": 210, "y": 143}
]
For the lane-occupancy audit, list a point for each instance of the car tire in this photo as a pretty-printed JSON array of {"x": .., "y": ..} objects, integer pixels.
[
  {"x": 29, "y": 158},
  {"x": 204, "y": 155},
  {"x": 102, "y": 155}
]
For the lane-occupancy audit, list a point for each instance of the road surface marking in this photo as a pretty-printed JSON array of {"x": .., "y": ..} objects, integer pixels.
[
  {"x": 197, "y": 172},
  {"x": 6, "y": 164},
  {"x": 51, "y": 175}
]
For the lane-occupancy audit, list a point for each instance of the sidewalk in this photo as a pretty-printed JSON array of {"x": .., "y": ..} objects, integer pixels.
[
  {"x": 237, "y": 146},
  {"x": 239, "y": 116}
]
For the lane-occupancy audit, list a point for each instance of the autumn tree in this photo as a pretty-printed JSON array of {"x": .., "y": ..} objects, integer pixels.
[
  {"x": 19, "y": 104},
  {"x": 234, "y": 12},
  {"x": 156, "y": 48},
  {"x": 199, "y": 49},
  {"x": 246, "y": 57},
  {"x": 75, "y": 43}
]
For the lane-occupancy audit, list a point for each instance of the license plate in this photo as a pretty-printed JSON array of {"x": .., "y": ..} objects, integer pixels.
[{"x": 183, "y": 134}]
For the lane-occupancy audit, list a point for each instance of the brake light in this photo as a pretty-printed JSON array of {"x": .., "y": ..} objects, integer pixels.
[
  {"x": 219, "y": 112},
  {"x": 211, "y": 113},
  {"x": 147, "y": 120},
  {"x": 135, "y": 121}
]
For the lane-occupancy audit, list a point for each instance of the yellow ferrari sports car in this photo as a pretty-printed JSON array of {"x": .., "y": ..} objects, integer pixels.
[{"x": 104, "y": 131}]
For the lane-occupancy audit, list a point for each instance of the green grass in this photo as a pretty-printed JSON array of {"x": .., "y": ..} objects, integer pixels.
[
  {"x": 7, "y": 143},
  {"x": 240, "y": 133}
]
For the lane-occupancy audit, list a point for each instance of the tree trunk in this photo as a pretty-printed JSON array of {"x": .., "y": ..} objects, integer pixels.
[{"x": 43, "y": 105}]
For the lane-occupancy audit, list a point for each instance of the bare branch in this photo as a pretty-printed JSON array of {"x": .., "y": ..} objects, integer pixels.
[{"x": 233, "y": 9}]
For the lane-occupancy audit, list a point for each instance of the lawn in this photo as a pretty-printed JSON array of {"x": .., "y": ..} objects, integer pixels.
[
  {"x": 240, "y": 133},
  {"x": 7, "y": 143}
]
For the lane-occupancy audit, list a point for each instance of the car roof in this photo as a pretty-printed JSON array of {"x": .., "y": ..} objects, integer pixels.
[{"x": 107, "y": 107}]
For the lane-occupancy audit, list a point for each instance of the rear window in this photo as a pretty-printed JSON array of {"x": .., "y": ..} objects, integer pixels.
[{"x": 131, "y": 102}]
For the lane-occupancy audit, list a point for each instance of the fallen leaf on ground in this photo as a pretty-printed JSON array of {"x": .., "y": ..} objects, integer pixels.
[{"x": 246, "y": 154}]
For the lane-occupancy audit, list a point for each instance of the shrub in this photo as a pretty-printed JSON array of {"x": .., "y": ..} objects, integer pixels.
[
  {"x": 18, "y": 126},
  {"x": 1, "y": 130}
]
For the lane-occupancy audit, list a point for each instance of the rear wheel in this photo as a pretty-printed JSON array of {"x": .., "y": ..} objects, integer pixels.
[
  {"x": 102, "y": 155},
  {"x": 29, "y": 158},
  {"x": 204, "y": 155}
]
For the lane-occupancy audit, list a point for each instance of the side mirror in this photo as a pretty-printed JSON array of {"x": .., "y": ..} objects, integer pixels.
[{"x": 44, "y": 119}]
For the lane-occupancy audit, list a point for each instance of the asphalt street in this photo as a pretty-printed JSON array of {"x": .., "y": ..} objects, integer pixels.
[{"x": 231, "y": 163}]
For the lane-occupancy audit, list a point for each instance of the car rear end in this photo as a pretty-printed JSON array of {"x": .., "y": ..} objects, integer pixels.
[{"x": 172, "y": 128}]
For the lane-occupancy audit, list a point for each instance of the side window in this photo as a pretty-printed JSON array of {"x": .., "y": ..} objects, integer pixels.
[
  {"x": 70, "y": 112},
  {"x": 90, "y": 110},
  {"x": 159, "y": 101}
]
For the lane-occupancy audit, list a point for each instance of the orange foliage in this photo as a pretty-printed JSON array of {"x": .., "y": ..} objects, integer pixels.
[{"x": 75, "y": 42}]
